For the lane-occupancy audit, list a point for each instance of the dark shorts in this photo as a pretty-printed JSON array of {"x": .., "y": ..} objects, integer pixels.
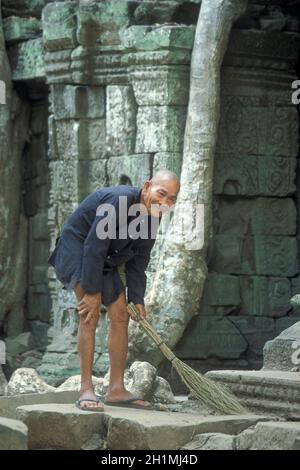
[{"x": 68, "y": 272}]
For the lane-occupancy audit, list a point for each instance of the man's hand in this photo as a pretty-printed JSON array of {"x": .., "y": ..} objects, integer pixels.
[
  {"x": 89, "y": 306},
  {"x": 141, "y": 309}
]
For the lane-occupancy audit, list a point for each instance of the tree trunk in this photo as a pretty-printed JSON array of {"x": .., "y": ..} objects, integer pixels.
[
  {"x": 14, "y": 118},
  {"x": 178, "y": 283}
]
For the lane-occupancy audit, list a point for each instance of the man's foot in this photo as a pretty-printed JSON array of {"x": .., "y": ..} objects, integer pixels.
[
  {"x": 88, "y": 401},
  {"x": 123, "y": 397}
]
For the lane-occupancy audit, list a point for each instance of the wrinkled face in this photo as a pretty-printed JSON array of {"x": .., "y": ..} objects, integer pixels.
[{"x": 159, "y": 197}]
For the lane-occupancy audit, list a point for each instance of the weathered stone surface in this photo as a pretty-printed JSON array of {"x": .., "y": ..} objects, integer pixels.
[
  {"x": 27, "y": 381},
  {"x": 19, "y": 344},
  {"x": 283, "y": 353},
  {"x": 169, "y": 86},
  {"x": 53, "y": 426},
  {"x": 13, "y": 434},
  {"x": 168, "y": 160},
  {"x": 262, "y": 255},
  {"x": 26, "y": 8},
  {"x": 27, "y": 60},
  {"x": 101, "y": 22},
  {"x": 149, "y": 38},
  {"x": 65, "y": 427},
  {"x": 3, "y": 382},
  {"x": 39, "y": 305},
  {"x": 93, "y": 176},
  {"x": 141, "y": 378},
  {"x": 261, "y": 216},
  {"x": 265, "y": 391},
  {"x": 75, "y": 102},
  {"x": 160, "y": 129},
  {"x": 18, "y": 29},
  {"x": 120, "y": 120},
  {"x": 155, "y": 12},
  {"x": 265, "y": 296},
  {"x": 8, "y": 404},
  {"x": 269, "y": 436},
  {"x": 255, "y": 176},
  {"x": 162, "y": 392},
  {"x": 129, "y": 169},
  {"x": 39, "y": 331},
  {"x": 246, "y": 295},
  {"x": 247, "y": 127},
  {"x": 209, "y": 337},
  {"x": 59, "y": 26},
  {"x": 73, "y": 384},
  {"x": 211, "y": 441}
]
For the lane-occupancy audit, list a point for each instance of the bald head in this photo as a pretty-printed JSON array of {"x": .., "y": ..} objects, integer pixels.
[{"x": 161, "y": 176}]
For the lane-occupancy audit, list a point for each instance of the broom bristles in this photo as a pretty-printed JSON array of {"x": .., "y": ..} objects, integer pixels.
[{"x": 204, "y": 389}]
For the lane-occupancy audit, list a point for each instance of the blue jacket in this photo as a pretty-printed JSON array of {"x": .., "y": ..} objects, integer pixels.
[{"x": 80, "y": 250}]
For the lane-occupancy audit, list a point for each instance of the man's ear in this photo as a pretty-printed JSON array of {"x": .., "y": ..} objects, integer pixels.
[{"x": 147, "y": 184}]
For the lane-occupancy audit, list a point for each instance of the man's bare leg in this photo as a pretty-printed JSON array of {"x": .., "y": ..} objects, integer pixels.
[
  {"x": 86, "y": 348},
  {"x": 118, "y": 348}
]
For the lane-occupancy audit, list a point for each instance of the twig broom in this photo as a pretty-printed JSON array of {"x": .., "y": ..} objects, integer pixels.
[{"x": 204, "y": 389}]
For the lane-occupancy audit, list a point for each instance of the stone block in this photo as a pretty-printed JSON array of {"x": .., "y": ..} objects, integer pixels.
[
  {"x": 93, "y": 176},
  {"x": 64, "y": 181},
  {"x": 18, "y": 29},
  {"x": 39, "y": 331},
  {"x": 100, "y": 22},
  {"x": 247, "y": 127},
  {"x": 222, "y": 290},
  {"x": 284, "y": 323},
  {"x": 255, "y": 331},
  {"x": 211, "y": 441},
  {"x": 65, "y": 427},
  {"x": 151, "y": 38},
  {"x": 168, "y": 160},
  {"x": 19, "y": 344},
  {"x": 13, "y": 434},
  {"x": 275, "y": 436},
  {"x": 120, "y": 120},
  {"x": 161, "y": 87},
  {"x": 262, "y": 255},
  {"x": 155, "y": 12},
  {"x": 77, "y": 101},
  {"x": 59, "y": 25},
  {"x": 265, "y": 296},
  {"x": 39, "y": 226},
  {"x": 254, "y": 176},
  {"x": 53, "y": 426},
  {"x": 58, "y": 67},
  {"x": 129, "y": 169},
  {"x": 283, "y": 353},
  {"x": 261, "y": 216},
  {"x": 207, "y": 337},
  {"x": 160, "y": 129},
  {"x": 27, "y": 60}
]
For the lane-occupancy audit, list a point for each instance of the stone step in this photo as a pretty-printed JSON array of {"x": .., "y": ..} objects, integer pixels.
[
  {"x": 269, "y": 392},
  {"x": 63, "y": 426},
  {"x": 13, "y": 434}
]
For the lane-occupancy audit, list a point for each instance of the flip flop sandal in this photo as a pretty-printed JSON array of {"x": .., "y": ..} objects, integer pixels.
[
  {"x": 86, "y": 408},
  {"x": 128, "y": 404}
]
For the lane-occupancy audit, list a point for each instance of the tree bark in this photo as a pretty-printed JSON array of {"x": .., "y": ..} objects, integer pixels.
[
  {"x": 14, "y": 117},
  {"x": 177, "y": 288}
]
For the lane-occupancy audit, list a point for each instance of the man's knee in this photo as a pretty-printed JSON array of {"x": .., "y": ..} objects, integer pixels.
[{"x": 117, "y": 311}]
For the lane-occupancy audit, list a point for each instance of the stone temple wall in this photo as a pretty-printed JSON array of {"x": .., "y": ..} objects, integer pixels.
[{"x": 117, "y": 73}]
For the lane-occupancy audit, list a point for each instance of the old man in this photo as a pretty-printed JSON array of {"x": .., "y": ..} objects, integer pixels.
[{"x": 102, "y": 253}]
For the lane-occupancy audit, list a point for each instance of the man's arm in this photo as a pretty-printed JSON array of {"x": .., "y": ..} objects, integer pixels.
[{"x": 136, "y": 277}]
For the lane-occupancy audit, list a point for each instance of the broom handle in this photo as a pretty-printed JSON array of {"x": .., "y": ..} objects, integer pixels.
[{"x": 146, "y": 327}]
